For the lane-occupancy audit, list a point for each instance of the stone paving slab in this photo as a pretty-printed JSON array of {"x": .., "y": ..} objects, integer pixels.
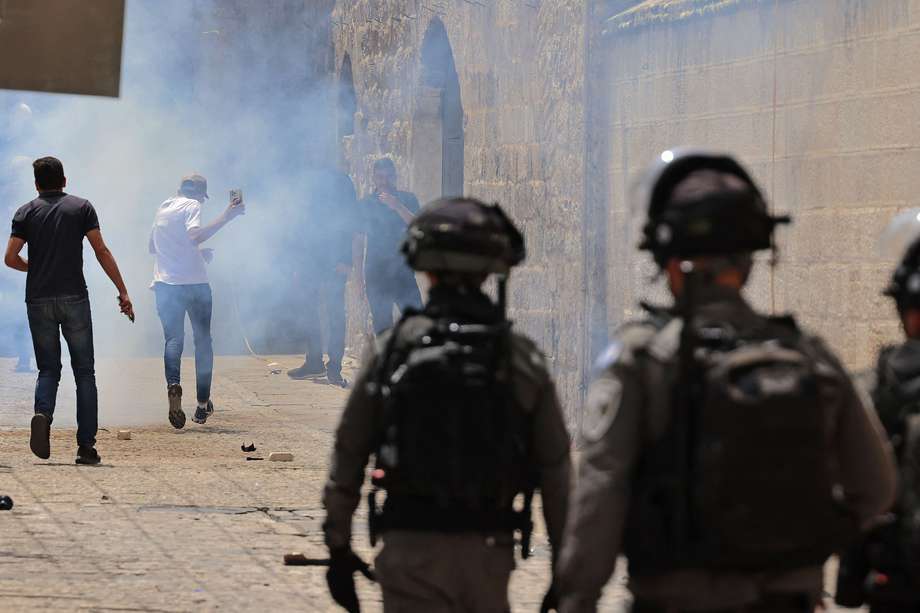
[{"x": 180, "y": 520}]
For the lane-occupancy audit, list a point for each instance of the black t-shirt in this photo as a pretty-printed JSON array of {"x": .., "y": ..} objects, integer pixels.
[
  {"x": 385, "y": 231},
  {"x": 53, "y": 225}
]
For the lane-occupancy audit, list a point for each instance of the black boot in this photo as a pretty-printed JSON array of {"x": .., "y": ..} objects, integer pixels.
[{"x": 308, "y": 370}]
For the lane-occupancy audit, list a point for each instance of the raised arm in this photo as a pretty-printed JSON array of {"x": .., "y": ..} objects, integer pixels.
[
  {"x": 203, "y": 233},
  {"x": 110, "y": 266},
  {"x": 13, "y": 259}
]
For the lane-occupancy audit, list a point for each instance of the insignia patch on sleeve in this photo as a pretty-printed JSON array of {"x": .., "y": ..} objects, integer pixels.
[{"x": 604, "y": 397}]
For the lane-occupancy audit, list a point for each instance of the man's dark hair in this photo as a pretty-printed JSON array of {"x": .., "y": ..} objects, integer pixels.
[
  {"x": 385, "y": 164},
  {"x": 49, "y": 173}
]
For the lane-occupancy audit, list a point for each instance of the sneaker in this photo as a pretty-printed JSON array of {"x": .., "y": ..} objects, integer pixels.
[
  {"x": 40, "y": 442},
  {"x": 334, "y": 375},
  {"x": 202, "y": 413},
  {"x": 23, "y": 366},
  {"x": 87, "y": 455},
  {"x": 307, "y": 371},
  {"x": 176, "y": 414}
]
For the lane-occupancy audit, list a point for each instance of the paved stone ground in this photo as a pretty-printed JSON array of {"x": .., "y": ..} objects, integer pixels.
[{"x": 180, "y": 520}]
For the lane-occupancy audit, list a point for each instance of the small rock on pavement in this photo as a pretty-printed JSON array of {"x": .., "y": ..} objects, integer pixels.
[
  {"x": 124, "y": 435},
  {"x": 281, "y": 456}
]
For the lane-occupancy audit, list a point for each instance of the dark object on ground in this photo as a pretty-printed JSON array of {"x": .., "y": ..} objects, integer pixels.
[
  {"x": 6, "y": 503},
  {"x": 299, "y": 559},
  {"x": 202, "y": 413},
  {"x": 39, "y": 442},
  {"x": 307, "y": 371},
  {"x": 251, "y": 458},
  {"x": 248, "y": 448},
  {"x": 87, "y": 456},
  {"x": 176, "y": 414}
]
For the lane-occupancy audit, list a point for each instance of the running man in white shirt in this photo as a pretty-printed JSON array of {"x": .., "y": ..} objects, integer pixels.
[{"x": 180, "y": 282}]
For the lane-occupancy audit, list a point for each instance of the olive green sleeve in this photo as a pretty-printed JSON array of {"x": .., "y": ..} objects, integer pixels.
[
  {"x": 354, "y": 440},
  {"x": 612, "y": 436},
  {"x": 551, "y": 445}
]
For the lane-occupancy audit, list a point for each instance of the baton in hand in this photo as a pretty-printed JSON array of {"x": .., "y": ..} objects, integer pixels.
[{"x": 299, "y": 559}]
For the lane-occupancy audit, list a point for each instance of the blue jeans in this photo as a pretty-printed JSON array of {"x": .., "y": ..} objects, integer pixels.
[
  {"x": 70, "y": 315},
  {"x": 383, "y": 292},
  {"x": 173, "y": 302}
]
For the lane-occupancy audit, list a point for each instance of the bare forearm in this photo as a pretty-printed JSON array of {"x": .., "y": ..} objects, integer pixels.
[
  {"x": 110, "y": 266},
  {"x": 16, "y": 262},
  {"x": 210, "y": 230}
]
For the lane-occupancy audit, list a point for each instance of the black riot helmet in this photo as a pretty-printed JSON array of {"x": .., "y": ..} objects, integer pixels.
[
  {"x": 901, "y": 239},
  {"x": 463, "y": 235},
  {"x": 905, "y": 282},
  {"x": 702, "y": 203}
]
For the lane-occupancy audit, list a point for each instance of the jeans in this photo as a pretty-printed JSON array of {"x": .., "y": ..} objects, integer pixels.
[
  {"x": 70, "y": 315},
  {"x": 385, "y": 291},
  {"x": 330, "y": 291},
  {"x": 173, "y": 302}
]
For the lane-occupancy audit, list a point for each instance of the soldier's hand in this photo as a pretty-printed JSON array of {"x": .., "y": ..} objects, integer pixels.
[
  {"x": 550, "y": 601},
  {"x": 343, "y": 563}
]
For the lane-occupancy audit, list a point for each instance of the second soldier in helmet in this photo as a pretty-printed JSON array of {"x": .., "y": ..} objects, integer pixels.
[
  {"x": 462, "y": 419},
  {"x": 883, "y": 570},
  {"x": 726, "y": 454}
]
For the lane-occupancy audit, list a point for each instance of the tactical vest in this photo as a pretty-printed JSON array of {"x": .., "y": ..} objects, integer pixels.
[
  {"x": 454, "y": 446},
  {"x": 893, "y": 549},
  {"x": 742, "y": 477}
]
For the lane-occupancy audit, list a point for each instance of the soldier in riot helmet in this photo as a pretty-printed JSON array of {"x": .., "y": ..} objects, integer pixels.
[
  {"x": 463, "y": 420},
  {"x": 726, "y": 454},
  {"x": 883, "y": 569}
]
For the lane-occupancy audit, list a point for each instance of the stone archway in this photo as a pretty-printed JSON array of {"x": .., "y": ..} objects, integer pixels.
[{"x": 437, "y": 126}]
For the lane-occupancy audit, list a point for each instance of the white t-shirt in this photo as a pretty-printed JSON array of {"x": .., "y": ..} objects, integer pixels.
[{"x": 178, "y": 259}]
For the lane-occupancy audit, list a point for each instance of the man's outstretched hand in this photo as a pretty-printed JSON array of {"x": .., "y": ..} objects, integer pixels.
[{"x": 124, "y": 304}]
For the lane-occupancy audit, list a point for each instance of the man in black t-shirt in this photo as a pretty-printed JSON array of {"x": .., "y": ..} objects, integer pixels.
[
  {"x": 54, "y": 225},
  {"x": 386, "y": 213},
  {"x": 326, "y": 257}
]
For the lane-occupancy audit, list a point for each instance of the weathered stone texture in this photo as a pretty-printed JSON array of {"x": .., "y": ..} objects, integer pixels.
[
  {"x": 818, "y": 98},
  {"x": 521, "y": 74}
]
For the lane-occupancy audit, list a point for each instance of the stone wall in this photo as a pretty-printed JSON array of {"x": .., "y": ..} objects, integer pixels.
[
  {"x": 818, "y": 97},
  {"x": 520, "y": 66}
]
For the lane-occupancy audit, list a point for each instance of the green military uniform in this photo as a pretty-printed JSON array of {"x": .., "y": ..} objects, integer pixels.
[
  {"x": 883, "y": 570},
  {"x": 705, "y": 217},
  {"x": 424, "y": 567},
  {"x": 629, "y": 404}
]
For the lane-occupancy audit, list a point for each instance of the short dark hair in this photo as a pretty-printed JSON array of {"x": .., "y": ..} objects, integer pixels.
[
  {"x": 385, "y": 164},
  {"x": 49, "y": 173}
]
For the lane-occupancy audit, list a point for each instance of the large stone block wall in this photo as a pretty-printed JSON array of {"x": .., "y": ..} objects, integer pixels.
[
  {"x": 819, "y": 98},
  {"x": 521, "y": 74}
]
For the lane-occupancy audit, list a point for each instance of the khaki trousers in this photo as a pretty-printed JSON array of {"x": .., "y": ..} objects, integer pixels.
[{"x": 434, "y": 572}]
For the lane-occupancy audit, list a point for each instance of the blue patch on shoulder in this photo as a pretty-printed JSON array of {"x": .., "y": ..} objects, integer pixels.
[{"x": 608, "y": 357}]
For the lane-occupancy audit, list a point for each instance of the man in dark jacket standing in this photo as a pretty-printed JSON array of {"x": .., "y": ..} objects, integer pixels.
[
  {"x": 54, "y": 225},
  {"x": 386, "y": 213}
]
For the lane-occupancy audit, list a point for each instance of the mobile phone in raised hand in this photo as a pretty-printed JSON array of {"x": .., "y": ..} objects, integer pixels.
[{"x": 236, "y": 196}]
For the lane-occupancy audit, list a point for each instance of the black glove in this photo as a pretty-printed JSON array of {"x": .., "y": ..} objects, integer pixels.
[
  {"x": 341, "y": 577},
  {"x": 550, "y": 601}
]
